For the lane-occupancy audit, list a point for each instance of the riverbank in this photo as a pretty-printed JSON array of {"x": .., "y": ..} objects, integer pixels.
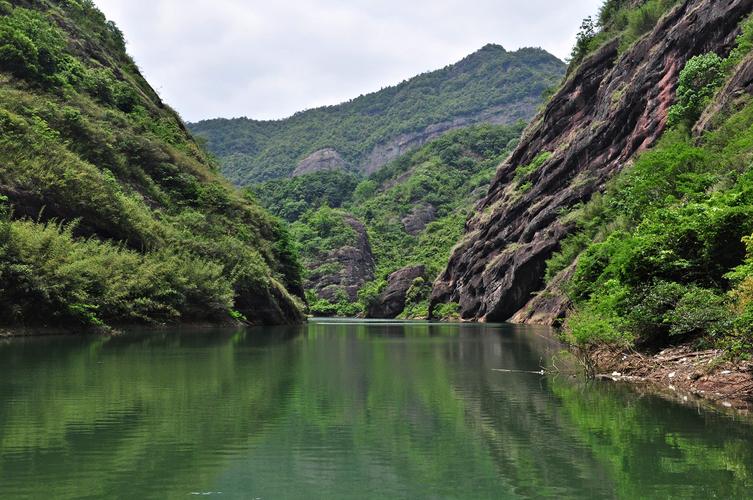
[{"x": 707, "y": 375}]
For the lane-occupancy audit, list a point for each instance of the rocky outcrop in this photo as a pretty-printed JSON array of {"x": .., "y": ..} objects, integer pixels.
[
  {"x": 344, "y": 270},
  {"x": 549, "y": 306},
  {"x": 418, "y": 218},
  {"x": 739, "y": 88},
  {"x": 612, "y": 107},
  {"x": 324, "y": 160},
  {"x": 508, "y": 114},
  {"x": 391, "y": 302}
]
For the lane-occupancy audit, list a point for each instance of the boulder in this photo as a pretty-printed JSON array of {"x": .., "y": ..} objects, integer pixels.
[{"x": 391, "y": 302}]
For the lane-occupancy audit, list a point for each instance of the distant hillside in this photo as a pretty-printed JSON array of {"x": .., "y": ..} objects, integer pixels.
[
  {"x": 490, "y": 86},
  {"x": 366, "y": 247},
  {"x": 109, "y": 211}
]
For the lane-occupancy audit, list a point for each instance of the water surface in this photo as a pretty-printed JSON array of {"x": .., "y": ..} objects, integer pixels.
[{"x": 345, "y": 409}]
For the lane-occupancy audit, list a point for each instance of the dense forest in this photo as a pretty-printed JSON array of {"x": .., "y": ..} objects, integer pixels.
[
  {"x": 109, "y": 210},
  {"x": 413, "y": 210},
  {"x": 491, "y": 85}
]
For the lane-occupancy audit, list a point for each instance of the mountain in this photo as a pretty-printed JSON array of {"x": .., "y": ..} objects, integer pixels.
[
  {"x": 110, "y": 212},
  {"x": 373, "y": 247},
  {"x": 490, "y": 86},
  {"x": 627, "y": 208}
]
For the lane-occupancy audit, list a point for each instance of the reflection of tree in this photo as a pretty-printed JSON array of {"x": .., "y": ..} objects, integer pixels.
[
  {"x": 647, "y": 441},
  {"x": 384, "y": 410},
  {"x": 416, "y": 415},
  {"x": 128, "y": 414}
]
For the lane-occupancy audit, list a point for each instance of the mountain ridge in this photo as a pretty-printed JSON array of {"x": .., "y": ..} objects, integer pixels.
[{"x": 492, "y": 85}]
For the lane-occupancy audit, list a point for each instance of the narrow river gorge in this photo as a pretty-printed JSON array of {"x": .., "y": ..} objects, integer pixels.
[{"x": 339, "y": 408}]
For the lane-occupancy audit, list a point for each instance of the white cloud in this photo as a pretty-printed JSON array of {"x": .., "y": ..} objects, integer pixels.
[{"x": 269, "y": 59}]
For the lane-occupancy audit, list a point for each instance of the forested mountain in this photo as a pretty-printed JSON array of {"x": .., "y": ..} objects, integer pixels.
[
  {"x": 490, "y": 86},
  {"x": 109, "y": 211},
  {"x": 637, "y": 216},
  {"x": 373, "y": 248}
]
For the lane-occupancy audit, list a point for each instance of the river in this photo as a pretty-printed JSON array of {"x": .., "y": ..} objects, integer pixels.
[{"x": 345, "y": 409}]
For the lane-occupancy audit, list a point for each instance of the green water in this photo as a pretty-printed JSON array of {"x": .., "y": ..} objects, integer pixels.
[{"x": 344, "y": 410}]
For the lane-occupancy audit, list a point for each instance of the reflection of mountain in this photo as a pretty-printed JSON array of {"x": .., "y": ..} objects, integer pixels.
[
  {"x": 133, "y": 416},
  {"x": 343, "y": 410}
]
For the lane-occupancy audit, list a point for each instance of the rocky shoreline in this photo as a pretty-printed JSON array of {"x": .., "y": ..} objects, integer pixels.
[{"x": 680, "y": 372}]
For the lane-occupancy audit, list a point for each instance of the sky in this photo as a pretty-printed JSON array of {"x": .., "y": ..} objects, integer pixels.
[{"x": 269, "y": 59}]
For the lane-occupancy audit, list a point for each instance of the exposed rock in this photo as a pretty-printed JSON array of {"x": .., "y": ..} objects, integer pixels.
[
  {"x": 612, "y": 107},
  {"x": 739, "y": 88},
  {"x": 354, "y": 266},
  {"x": 269, "y": 306},
  {"x": 549, "y": 306},
  {"x": 391, "y": 301},
  {"x": 418, "y": 218},
  {"x": 324, "y": 160},
  {"x": 499, "y": 115}
]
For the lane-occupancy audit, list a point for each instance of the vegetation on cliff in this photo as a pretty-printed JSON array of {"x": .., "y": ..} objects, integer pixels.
[
  {"x": 511, "y": 83},
  {"x": 625, "y": 20},
  {"x": 109, "y": 210},
  {"x": 665, "y": 255},
  {"x": 414, "y": 210}
]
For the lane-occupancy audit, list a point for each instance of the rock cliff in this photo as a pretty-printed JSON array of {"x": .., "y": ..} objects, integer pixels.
[
  {"x": 391, "y": 302},
  {"x": 612, "y": 106},
  {"x": 323, "y": 160},
  {"x": 345, "y": 269}
]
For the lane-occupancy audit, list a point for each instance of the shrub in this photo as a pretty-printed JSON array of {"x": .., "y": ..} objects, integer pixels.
[
  {"x": 447, "y": 311},
  {"x": 700, "y": 312},
  {"x": 30, "y": 47},
  {"x": 699, "y": 81}
]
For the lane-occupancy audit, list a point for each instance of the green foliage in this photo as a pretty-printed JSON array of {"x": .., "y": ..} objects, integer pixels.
[
  {"x": 289, "y": 198},
  {"x": 417, "y": 300},
  {"x": 30, "y": 46},
  {"x": 743, "y": 45},
  {"x": 447, "y": 311},
  {"x": 48, "y": 273},
  {"x": 584, "y": 40},
  {"x": 343, "y": 307},
  {"x": 666, "y": 253},
  {"x": 254, "y": 151},
  {"x": 699, "y": 81},
  {"x": 522, "y": 172},
  {"x": 159, "y": 237},
  {"x": 618, "y": 19},
  {"x": 319, "y": 231},
  {"x": 447, "y": 176}
]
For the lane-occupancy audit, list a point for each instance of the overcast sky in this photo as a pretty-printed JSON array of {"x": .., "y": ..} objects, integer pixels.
[{"x": 269, "y": 59}]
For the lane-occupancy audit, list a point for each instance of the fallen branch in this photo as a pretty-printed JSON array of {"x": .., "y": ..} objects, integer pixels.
[{"x": 540, "y": 372}]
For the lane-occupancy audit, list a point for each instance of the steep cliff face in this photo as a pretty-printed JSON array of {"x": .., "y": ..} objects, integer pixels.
[
  {"x": 324, "y": 160},
  {"x": 396, "y": 147},
  {"x": 612, "y": 107},
  {"x": 344, "y": 269}
]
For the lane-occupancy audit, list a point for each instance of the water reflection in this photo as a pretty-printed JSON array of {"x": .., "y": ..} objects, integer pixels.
[{"x": 344, "y": 409}]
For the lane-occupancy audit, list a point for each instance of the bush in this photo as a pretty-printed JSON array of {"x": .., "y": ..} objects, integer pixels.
[
  {"x": 50, "y": 276},
  {"x": 30, "y": 47},
  {"x": 446, "y": 311},
  {"x": 700, "y": 312},
  {"x": 699, "y": 81}
]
